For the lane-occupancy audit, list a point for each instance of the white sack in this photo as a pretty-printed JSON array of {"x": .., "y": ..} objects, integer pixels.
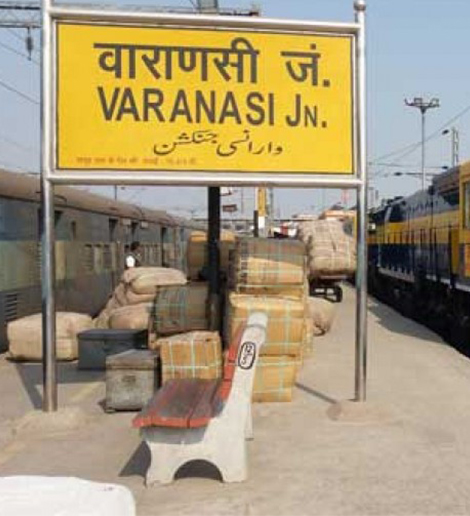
[{"x": 63, "y": 496}]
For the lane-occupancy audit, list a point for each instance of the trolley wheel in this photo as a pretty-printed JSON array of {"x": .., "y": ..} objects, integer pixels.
[{"x": 338, "y": 294}]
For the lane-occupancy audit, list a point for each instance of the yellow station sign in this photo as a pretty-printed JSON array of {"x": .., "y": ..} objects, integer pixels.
[{"x": 157, "y": 98}]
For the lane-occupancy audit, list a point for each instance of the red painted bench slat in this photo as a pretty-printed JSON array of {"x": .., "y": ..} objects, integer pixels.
[
  {"x": 191, "y": 402},
  {"x": 173, "y": 404},
  {"x": 204, "y": 410}
]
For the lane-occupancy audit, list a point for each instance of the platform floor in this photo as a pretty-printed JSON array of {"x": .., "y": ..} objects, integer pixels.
[{"x": 406, "y": 453}]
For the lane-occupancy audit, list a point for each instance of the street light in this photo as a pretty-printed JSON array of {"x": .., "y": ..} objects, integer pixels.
[
  {"x": 455, "y": 144},
  {"x": 423, "y": 106}
]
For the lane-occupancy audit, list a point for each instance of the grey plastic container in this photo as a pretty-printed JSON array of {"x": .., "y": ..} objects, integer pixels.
[
  {"x": 132, "y": 377},
  {"x": 95, "y": 345}
]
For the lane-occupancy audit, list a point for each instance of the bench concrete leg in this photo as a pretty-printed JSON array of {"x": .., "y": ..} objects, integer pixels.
[
  {"x": 233, "y": 465},
  {"x": 171, "y": 450},
  {"x": 163, "y": 466}
]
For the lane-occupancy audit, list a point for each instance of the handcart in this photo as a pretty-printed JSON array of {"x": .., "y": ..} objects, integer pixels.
[{"x": 324, "y": 285}]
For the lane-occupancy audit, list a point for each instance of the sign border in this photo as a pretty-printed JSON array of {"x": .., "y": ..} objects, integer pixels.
[{"x": 201, "y": 177}]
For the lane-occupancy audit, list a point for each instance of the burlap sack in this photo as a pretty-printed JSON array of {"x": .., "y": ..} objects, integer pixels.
[
  {"x": 268, "y": 263},
  {"x": 25, "y": 336},
  {"x": 275, "y": 378},
  {"x": 112, "y": 304},
  {"x": 136, "y": 299},
  {"x": 322, "y": 313},
  {"x": 102, "y": 321},
  {"x": 286, "y": 321},
  {"x": 119, "y": 296},
  {"x": 197, "y": 354},
  {"x": 304, "y": 231},
  {"x": 152, "y": 277},
  {"x": 131, "y": 317},
  {"x": 331, "y": 252},
  {"x": 181, "y": 309}
]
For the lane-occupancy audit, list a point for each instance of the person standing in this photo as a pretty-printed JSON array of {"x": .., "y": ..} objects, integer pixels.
[{"x": 133, "y": 256}]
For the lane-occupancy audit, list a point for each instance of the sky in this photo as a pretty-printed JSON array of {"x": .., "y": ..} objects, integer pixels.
[{"x": 415, "y": 48}]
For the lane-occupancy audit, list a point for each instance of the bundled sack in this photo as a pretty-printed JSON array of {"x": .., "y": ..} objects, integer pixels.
[
  {"x": 131, "y": 317},
  {"x": 197, "y": 354},
  {"x": 286, "y": 321},
  {"x": 304, "y": 230},
  {"x": 25, "y": 336},
  {"x": 145, "y": 280},
  {"x": 322, "y": 313},
  {"x": 275, "y": 378},
  {"x": 181, "y": 308},
  {"x": 330, "y": 250},
  {"x": 266, "y": 264},
  {"x": 197, "y": 252},
  {"x": 101, "y": 322}
]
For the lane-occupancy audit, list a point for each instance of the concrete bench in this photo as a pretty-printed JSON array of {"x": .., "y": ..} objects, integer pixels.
[{"x": 209, "y": 420}]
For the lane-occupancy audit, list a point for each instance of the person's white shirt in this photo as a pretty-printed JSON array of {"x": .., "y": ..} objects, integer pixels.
[{"x": 130, "y": 261}]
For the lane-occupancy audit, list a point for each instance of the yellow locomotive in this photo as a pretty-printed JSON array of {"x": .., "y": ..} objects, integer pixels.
[{"x": 419, "y": 254}]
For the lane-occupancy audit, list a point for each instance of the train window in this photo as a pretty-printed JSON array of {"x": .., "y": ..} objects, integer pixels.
[
  {"x": 396, "y": 214},
  {"x": 73, "y": 229},
  {"x": 107, "y": 257},
  {"x": 134, "y": 228},
  {"x": 467, "y": 205},
  {"x": 88, "y": 261},
  {"x": 113, "y": 230}
]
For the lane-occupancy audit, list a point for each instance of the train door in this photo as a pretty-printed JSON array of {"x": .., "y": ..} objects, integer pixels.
[
  {"x": 164, "y": 246},
  {"x": 465, "y": 227},
  {"x": 134, "y": 231}
]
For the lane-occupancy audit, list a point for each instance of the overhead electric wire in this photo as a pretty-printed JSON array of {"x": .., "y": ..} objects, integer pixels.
[
  {"x": 409, "y": 149},
  {"x": 25, "y": 148},
  {"x": 19, "y": 93}
]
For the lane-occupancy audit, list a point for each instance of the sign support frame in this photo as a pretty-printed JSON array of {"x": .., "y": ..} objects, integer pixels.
[{"x": 49, "y": 177}]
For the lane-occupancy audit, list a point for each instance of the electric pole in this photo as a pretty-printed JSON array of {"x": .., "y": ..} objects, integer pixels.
[{"x": 423, "y": 106}]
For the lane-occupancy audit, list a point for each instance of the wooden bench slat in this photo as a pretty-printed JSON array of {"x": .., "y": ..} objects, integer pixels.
[
  {"x": 176, "y": 401},
  {"x": 161, "y": 397},
  {"x": 177, "y": 411},
  {"x": 191, "y": 402},
  {"x": 204, "y": 410}
]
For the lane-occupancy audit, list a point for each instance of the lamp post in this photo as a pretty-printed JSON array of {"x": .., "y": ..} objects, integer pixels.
[
  {"x": 455, "y": 144},
  {"x": 423, "y": 106}
]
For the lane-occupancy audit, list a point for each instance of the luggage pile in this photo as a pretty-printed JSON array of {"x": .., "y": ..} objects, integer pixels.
[
  {"x": 174, "y": 311},
  {"x": 180, "y": 322},
  {"x": 25, "y": 336},
  {"x": 269, "y": 275},
  {"x": 131, "y": 304},
  {"x": 331, "y": 251}
]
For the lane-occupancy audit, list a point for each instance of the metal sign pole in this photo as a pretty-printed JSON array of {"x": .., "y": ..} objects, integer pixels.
[
  {"x": 265, "y": 155},
  {"x": 213, "y": 255},
  {"x": 48, "y": 243},
  {"x": 361, "y": 274}
]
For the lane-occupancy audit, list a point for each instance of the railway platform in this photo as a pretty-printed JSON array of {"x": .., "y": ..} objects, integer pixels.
[{"x": 406, "y": 453}]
